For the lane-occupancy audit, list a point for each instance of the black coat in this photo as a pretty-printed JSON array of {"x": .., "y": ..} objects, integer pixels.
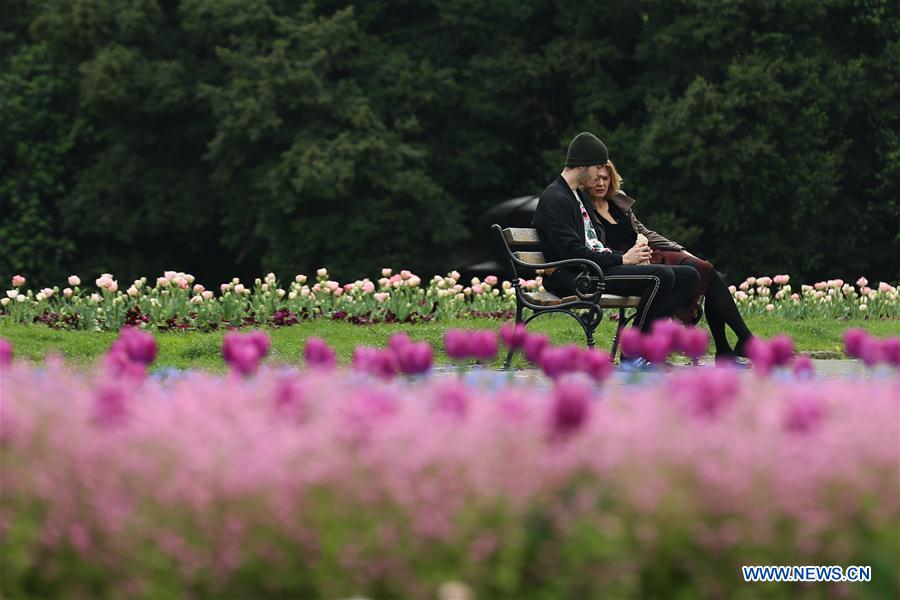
[{"x": 561, "y": 229}]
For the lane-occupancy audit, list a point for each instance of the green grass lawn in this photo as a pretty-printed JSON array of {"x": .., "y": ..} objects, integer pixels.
[{"x": 183, "y": 350}]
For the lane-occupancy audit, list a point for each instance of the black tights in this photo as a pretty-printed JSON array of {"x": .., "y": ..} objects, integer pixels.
[
  {"x": 720, "y": 311},
  {"x": 664, "y": 290}
]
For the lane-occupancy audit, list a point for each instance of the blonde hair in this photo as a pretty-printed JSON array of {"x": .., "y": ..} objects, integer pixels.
[{"x": 615, "y": 180}]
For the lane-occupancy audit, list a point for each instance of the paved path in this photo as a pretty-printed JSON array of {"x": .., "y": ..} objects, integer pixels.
[{"x": 823, "y": 369}]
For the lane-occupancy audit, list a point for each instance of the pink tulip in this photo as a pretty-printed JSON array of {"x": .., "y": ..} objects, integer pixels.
[
  {"x": 139, "y": 346},
  {"x": 782, "y": 347},
  {"x": 6, "y": 352},
  {"x": 18, "y": 281},
  {"x": 656, "y": 347},
  {"x": 862, "y": 282},
  {"x": 491, "y": 280},
  {"x": 596, "y": 363},
  {"x": 704, "y": 393},
  {"x": 872, "y": 352},
  {"x": 110, "y": 405},
  {"x": 398, "y": 340},
  {"x": 632, "y": 341},
  {"x": 570, "y": 409},
  {"x": 415, "y": 358},
  {"x": 803, "y": 366},
  {"x": 261, "y": 340},
  {"x": 853, "y": 341},
  {"x": 457, "y": 344},
  {"x": 804, "y": 413},
  {"x": 380, "y": 363},
  {"x": 513, "y": 335},
  {"x": 534, "y": 346},
  {"x": 668, "y": 330},
  {"x": 118, "y": 365},
  {"x": 694, "y": 342},
  {"x": 557, "y": 361},
  {"x": 290, "y": 396},
  {"x": 484, "y": 345},
  {"x": 760, "y": 352},
  {"x": 241, "y": 352},
  {"x": 319, "y": 355},
  {"x": 781, "y": 279},
  {"x": 891, "y": 350},
  {"x": 453, "y": 399}
]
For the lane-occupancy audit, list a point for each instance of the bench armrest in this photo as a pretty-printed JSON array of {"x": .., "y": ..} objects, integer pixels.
[{"x": 588, "y": 284}]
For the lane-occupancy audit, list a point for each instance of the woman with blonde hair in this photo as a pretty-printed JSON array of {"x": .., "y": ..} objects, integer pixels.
[{"x": 620, "y": 229}]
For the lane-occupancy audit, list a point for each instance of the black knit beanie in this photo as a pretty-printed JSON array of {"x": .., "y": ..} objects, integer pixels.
[{"x": 585, "y": 150}]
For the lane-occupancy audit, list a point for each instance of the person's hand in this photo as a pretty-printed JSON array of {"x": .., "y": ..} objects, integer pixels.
[{"x": 638, "y": 254}]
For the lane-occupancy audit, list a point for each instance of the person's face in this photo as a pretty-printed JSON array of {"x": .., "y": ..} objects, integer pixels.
[
  {"x": 589, "y": 176},
  {"x": 600, "y": 187}
]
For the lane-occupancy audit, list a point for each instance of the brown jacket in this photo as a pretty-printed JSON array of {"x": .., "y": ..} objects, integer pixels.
[{"x": 625, "y": 202}]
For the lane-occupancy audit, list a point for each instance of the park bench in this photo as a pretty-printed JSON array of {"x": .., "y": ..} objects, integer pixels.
[{"x": 522, "y": 247}]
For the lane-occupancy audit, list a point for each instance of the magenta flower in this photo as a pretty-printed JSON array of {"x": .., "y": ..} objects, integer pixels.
[
  {"x": 261, "y": 340},
  {"x": 289, "y": 396},
  {"x": 570, "y": 409},
  {"x": 513, "y": 335},
  {"x": 319, "y": 355},
  {"x": 534, "y": 346},
  {"x": 656, "y": 346},
  {"x": 803, "y": 366},
  {"x": 693, "y": 341},
  {"x": 632, "y": 341},
  {"x": 782, "y": 350},
  {"x": 668, "y": 330},
  {"x": 110, "y": 405},
  {"x": 118, "y": 365},
  {"x": 557, "y": 361},
  {"x": 139, "y": 346},
  {"x": 760, "y": 352},
  {"x": 415, "y": 358},
  {"x": 804, "y": 413},
  {"x": 243, "y": 352},
  {"x": 890, "y": 347},
  {"x": 871, "y": 351},
  {"x": 453, "y": 399},
  {"x": 6, "y": 352},
  {"x": 458, "y": 344},
  {"x": 484, "y": 345},
  {"x": 242, "y": 355},
  {"x": 853, "y": 340},
  {"x": 596, "y": 363},
  {"x": 705, "y": 393},
  {"x": 380, "y": 363},
  {"x": 398, "y": 340}
]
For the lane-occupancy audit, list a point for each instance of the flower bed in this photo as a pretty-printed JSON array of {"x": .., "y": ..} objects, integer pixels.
[
  {"x": 175, "y": 301},
  {"x": 323, "y": 483}
]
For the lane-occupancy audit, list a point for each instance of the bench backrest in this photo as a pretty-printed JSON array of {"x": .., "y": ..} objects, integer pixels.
[
  {"x": 523, "y": 243},
  {"x": 521, "y": 236}
]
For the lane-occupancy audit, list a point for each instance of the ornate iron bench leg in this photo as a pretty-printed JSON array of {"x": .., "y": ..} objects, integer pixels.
[
  {"x": 509, "y": 353},
  {"x": 589, "y": 321}
]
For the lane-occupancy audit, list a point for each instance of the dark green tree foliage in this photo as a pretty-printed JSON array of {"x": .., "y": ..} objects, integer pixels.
[{"x": 226, "y": 137}]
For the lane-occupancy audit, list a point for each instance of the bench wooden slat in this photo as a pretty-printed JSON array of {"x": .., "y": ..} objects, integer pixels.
[
  {"x": 606, "y": 301},
  {"x": 521, "y": 236},
  {"x": 532, "y": 258}
]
